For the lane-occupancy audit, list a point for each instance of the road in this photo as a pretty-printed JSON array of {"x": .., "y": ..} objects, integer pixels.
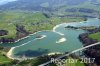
[{"x": 80, "y": 49}]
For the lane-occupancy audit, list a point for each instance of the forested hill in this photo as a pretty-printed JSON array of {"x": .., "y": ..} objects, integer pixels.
[
  {"x": 38, "y": 4},
  {"x": 76, "y": 8}
]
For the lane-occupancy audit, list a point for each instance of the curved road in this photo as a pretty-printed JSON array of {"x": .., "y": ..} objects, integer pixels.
[{"x": 72, "y": 52}]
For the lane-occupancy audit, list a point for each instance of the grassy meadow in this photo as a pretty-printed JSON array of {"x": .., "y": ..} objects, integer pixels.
[{"x": 32, "y": 21}]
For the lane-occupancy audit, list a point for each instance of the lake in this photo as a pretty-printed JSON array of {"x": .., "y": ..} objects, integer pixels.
[{"x": 33, "y": 46}]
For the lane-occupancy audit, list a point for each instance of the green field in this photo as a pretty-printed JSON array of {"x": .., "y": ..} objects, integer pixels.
[
  {"x": 95, "y": 36},
  {"x": 4, "y": 59},
  {"x": 32, "y": 21}
]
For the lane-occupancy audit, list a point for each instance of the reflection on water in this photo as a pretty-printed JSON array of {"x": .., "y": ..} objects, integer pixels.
[{"x": 33, "y": 53}]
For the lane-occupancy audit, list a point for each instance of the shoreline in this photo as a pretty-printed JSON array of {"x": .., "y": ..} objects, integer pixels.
[
  {"x": 53, "y": 30},
  {"x": 9, "y": 54},
  {"x": 53, "y": 53},
  {"x": 26, "y": 36}
]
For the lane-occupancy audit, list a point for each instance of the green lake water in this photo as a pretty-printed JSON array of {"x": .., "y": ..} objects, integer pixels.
[{"x": 35, "y": 47}]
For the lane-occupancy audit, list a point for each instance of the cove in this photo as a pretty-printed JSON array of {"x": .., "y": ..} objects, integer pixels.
[{"x": 33, "y": 47}]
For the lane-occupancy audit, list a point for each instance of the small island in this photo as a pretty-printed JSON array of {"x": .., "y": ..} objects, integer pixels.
[
  {"x": 40, "y": 37},
  {"x": 61, "y": 40}
]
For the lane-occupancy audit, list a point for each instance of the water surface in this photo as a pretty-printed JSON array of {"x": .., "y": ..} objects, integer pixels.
[{"x": 35, "y": 47}]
